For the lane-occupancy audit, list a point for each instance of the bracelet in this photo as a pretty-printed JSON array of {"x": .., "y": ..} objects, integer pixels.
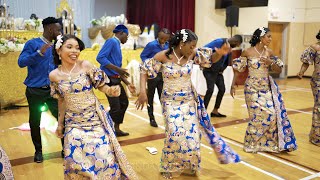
[{"x": 40, "y": 53}]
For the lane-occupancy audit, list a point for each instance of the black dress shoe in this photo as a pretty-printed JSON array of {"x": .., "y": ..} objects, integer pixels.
[
  {"x": 38, "y": 158},
  {"x": 153, "y": 123},
  {"x": 121, "y": 133},
  {"x": 62, "y": 153},
  {"x": 217, "y": 115}
]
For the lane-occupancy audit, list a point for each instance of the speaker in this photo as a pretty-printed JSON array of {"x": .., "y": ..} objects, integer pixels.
[{"x": 232, "y": 16}]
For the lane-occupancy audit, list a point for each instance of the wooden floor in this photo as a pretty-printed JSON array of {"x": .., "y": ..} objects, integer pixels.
[{"x": 303, "y": 163}]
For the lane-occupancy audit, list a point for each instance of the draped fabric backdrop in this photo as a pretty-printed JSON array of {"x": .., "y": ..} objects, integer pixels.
[{"x": 171, "y": 14}]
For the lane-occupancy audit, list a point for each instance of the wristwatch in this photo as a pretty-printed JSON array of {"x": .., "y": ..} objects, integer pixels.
[{"x": 40, "y": 53}]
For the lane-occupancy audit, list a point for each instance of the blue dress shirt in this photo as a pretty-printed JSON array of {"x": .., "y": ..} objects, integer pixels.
[
  {"x": 39, "y": 66},
  {"x": 152, "y": 48},
  {"x": 110, "y": 53},
  {"x": 222, "y": 64}
]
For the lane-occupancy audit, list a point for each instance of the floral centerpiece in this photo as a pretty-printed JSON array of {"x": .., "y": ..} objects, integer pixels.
[
  {"x": 106, "y": 20},
  {"x": 32, "y": 24},
  {"x": 11, "y": 45}
]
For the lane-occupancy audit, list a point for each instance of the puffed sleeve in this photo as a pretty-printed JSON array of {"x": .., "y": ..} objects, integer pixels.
[
  {"x": 151, "y": 67},
  {"x": 308, "y": 56},
  {"x": 55, "y": 90},
  {"x": 203, "y": 57},
  {"x": 98, "y": 77},
  {"x": 239, "y": 64}
]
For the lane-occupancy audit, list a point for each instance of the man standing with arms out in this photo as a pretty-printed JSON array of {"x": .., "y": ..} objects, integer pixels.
[
  {"x": 152, "y": 48},
  {"x": 214, "y": 74},
  {"x": 110, "y": 58},
  {"x": 37, "y": 56}
]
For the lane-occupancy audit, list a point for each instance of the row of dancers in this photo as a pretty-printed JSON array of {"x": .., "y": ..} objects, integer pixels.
[{"x": 90, "y": 149}]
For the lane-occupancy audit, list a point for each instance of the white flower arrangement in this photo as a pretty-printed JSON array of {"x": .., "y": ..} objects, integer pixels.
[
  {"x": 184, "y": 35},
  {"x": 59, "y": 42},
  {"x": 32, "y": 24},
  {"x": 106, "y": 20},
  {"x": 11, "y": 45}
]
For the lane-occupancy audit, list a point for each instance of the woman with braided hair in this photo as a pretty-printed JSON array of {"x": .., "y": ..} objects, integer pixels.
[
  {"x": 269, "y": 127},
  {"x": 183, "y": 110}
]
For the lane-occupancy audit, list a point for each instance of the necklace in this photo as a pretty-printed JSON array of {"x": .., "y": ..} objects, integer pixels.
[
  {"x": 179, "y": 59},
  {"x": 45, "y": 40},
  {"x": 259, "y": 52},
  {"x": 69, "y": 74}
]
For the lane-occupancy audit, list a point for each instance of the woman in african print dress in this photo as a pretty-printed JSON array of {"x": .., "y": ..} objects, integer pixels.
[
  {"x": 183, "y": 110},
  {"x": 312, "y": 56},
  {"x": 90, "y": 145},
  {"x": 269, "y": 128}
]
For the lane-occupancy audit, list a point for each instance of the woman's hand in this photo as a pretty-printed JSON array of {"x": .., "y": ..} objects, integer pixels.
[
  {"x": 141, "y": 100},
  {"x": 232, "y": 91},
  {"x": 300, "y": 75},
  {"x": 266, "y": 60},
  {"x": 114, "y": 91},
  {"x": 59, "y": 131}
]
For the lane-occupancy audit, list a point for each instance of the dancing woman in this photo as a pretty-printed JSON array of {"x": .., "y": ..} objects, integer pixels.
[
  {"x": 312, "y": 56},
  {"x": 269, "y": 127},
  {"x": 90, "y": 145},
  {"x": 183, "y": 110}
]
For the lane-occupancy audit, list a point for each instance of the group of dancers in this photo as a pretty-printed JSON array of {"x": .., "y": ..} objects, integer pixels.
[{"x": 90, "y": 149}]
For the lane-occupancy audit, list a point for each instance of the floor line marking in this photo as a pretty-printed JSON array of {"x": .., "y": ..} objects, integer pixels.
[{"x": 245, "y": 163}]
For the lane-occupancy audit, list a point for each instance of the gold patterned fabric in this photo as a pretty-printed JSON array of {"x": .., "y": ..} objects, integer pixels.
[
  {"x": 311, "y": 56},
  {"x": 20, "y": 34},
  {"x": 90, "y": 145},
  {"x": 269, "y": 128},
  {"x": 12, "y": 89}
]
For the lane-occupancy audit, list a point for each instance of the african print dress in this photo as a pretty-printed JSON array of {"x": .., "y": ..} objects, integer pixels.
[
  {"x": 269, "y": 128},
  {"x": 5, "y": 166},
  {"x": 311, "y": 56},
  {"x": 90, "y": 145},
  {"x": 185, "y": 119}
]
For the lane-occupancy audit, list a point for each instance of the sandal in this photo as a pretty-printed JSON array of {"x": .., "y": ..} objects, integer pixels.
[{"x": 152, "y": 150}]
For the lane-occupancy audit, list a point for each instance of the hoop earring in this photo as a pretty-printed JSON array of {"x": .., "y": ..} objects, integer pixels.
[{"x": 180, "y": 47}]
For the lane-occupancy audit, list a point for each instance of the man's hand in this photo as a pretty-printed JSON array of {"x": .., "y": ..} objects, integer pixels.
[
  {"x": 123, "y": 72},
  {"x": 132, "y": 88},
  {"x": 44, "y": 48},
  {"x": 224, "y": 50}
]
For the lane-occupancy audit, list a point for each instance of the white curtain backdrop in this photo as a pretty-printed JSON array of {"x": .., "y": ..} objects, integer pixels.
[{"x": 83, "y": 11}]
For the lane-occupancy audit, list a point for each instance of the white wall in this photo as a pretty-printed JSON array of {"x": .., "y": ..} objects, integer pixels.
[
  {"x": 287, "y": 10},
  {"x": 109, "y": 8},
  {"x": 210, "y": 22},
  {"x": 312, "y": 11}
]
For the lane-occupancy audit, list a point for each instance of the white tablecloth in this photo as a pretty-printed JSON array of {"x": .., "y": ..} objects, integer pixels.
[{"x": 200, "y": 84}]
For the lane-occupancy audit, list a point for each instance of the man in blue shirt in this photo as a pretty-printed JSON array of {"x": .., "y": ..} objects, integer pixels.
[
  {"x": 110, "y": 58},
  {"x": 214, "y": 74},
  {"x": 38, "y": 58},
  {"x": 152, "y": 48}
]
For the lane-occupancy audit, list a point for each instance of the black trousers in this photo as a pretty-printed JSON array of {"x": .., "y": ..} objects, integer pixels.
[
  {"x": 212, "y": 78},
  {"x": 118, "y": 105},
  {"x": 153, "y": 84},
  {"x": 36, "y": 98}
]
